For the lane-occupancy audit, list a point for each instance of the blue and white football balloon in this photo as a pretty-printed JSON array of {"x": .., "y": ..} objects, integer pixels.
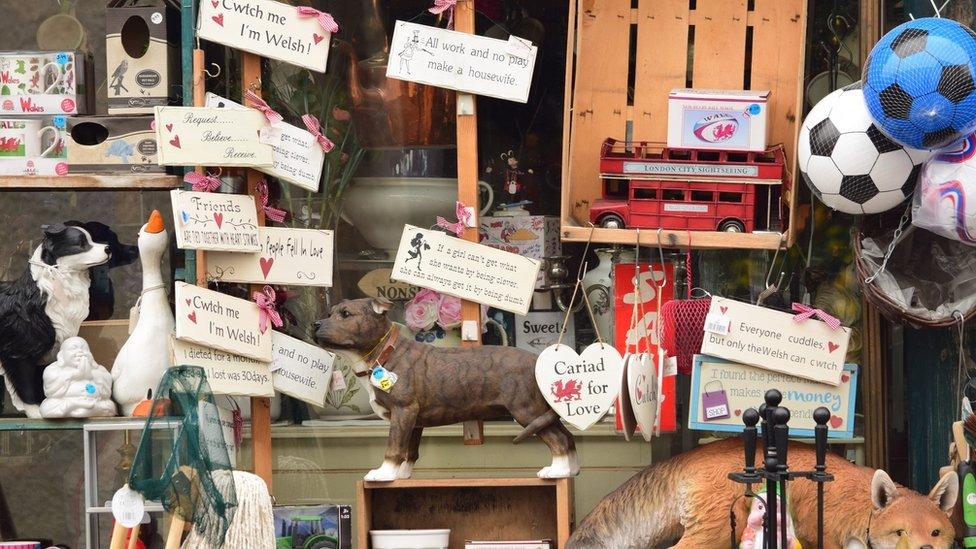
[{"x": 919, "y": 83}]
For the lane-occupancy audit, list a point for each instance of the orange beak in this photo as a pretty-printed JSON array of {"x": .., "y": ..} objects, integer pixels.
[{"x": 155, "y": 223}]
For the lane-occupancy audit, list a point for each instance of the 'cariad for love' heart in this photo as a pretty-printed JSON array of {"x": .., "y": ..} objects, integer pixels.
[
  {"x": 175, "y": 141},
  {"x": 266, "y": 263},
  {"x": 219, "y": 19},
  {"x": 580, "y": 387},
  {"x": 317, "y": 38},
  {"x": 193, "y": 317},
  {"x": 219, "y": 218},
  {"x": 831, "y": 346},
  {"x": 169, "y": 127},
  {"x": 836, "y": 421}
]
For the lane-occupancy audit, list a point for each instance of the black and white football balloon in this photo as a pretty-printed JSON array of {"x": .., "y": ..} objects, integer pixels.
[{"x": 846, "y": 160}]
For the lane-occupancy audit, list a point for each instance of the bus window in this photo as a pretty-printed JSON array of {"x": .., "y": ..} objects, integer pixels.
[
  {"x": 679, "y": 154},
  {"x": 615, "y": 188},
  {"x": 730, "y": 197},
  {"x": 708, "y": 156},
  {"x": 645, "y": 194},
  {"x": 672, "y": 194},
  {"x": 702, "y": 196},
  {"x": 738, "y": 157},
  {"x": 765, "y": 158}
]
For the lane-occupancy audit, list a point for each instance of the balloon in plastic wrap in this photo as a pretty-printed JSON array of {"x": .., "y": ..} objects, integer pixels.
[
  {"x": 918, "y": 83},
  {"x": 946, "y": 199},
  {"x": 846, "y": 160}
]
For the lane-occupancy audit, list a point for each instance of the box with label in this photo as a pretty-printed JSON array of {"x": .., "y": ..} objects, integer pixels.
[
  {"x": 307, "y": 526},
  {"x": 534, "y": 236},
  {"x": 112, "y": 144},
  {"x": 45, "y": 83},
  {"x": 142, "y": 63},
  {"x": 33, "y": 146},
  {"x": 729, "y": 120}
]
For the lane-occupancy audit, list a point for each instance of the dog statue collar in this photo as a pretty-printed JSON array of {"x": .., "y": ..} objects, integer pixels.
[{"x": 385, "y": 347}]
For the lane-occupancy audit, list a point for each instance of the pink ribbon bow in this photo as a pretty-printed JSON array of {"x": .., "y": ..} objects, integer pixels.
[
  {"x": 440, "y": 6},
  {"x": 259, "y": 104},
  {"x": 326, "y": 21},
  {"x": 806, "y": 312},
  {"x": 265, "y": 300},
  {"x": 315, "y": 128},
  {"x": 270, "y": 212},
  {"x": 464, "y": 219},
  {"x": 202, "y": 183}
]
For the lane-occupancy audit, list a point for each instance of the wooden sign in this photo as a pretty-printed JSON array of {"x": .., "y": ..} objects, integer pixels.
[
  {"x": 580, "y": 387},
  {"x": 475, "y": 272},
  {"x": 769, "y": 339},
  {"x": 717, "y": 383},
  {"x": 228, "y": 374},
  {"x": 460, "y": 61},
  {"x": 300, "y": 369},
  {"x": 217, "y": 419},
  {"x": 266, "y": 28},
  {"x": 220, "y": 321},
  {"x": 538, "y": 330},
  {"x": 188, "y": 136},
  {"x": 296, "y": 156},
  {"x": 298, "y": 257},
  {"x": 215, "y": 221},
  {"x": 377, "y": 283}
]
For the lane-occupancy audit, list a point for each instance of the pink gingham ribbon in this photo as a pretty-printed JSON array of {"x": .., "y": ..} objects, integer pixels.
[
  {"x": 805, "y": 312},
  {"x": 202, "y": 183},
  {"x": 464, "y": 218},
  {"x": 265, "y": 300},
  {"x": 270, "y": 212},
  {"x": 259, "y": 104},
  {"x": 326, "y": 21},
  {"x": 315, "y": 128},
  {"x": 440, "y": 6}
]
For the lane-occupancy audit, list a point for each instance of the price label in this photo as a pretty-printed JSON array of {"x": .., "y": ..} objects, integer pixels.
[
  {"x": 128, "y": 506},
  {"x": 718, "y": 324},
  {"x": 338, "y": 381},
  {"x": 518, "y": 47}
]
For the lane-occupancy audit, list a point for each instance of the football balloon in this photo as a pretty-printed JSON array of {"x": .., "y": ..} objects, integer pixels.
[
  {"x": 848, "y": 162},
  {"x": 945, "y": 202}
]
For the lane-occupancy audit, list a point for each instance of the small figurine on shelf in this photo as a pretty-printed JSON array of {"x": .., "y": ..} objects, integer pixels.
[
  {"x": 75, "y": 385},
  {"x": 512, "y": 203}
]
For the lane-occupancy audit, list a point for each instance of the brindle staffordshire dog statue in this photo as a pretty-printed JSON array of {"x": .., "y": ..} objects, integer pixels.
[{"x": 436, "y": 386}]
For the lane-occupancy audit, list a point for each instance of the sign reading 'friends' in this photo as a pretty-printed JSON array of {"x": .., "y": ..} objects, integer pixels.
[
  {"x": 214, "y": 221},
  {"x": 298, "y": 257},
  {"x": 267, "y": 28},
  {"x": 200, "y": 136},
  {"x": 220, "y": 321}
]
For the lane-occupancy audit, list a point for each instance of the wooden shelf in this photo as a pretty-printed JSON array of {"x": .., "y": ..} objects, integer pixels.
[
  {"x": 571, "y": 232},
  {"x": 115, "y": 181}
]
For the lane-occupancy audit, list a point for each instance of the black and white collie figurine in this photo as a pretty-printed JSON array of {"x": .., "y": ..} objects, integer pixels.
[{"x": 44, "y": 307}]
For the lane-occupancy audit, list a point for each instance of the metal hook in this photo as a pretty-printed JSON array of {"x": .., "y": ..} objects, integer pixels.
[
  {"x": 220, "y": 172},
  {"x": 771, "y": 289},
  {"x": 214, "y": 75},
  {"x": 255, "y": 85},
  {"x": 589, "y": 239},
  {"x": 660, "y": 253}
]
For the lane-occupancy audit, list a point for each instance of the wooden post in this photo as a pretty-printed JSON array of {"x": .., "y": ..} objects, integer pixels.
[
  {"x": 199, "y": 91},
  {"x": 260, "y": 406},
  {"x": 467, "y": 169}
]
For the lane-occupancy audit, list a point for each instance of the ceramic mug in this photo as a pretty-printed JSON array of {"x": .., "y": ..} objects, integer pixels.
[
  {"x": 28, "y": 74},
  {"x": 24, "y": 137}
]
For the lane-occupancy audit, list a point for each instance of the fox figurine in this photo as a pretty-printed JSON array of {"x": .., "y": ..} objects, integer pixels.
[{"x": 688, "y": 498}]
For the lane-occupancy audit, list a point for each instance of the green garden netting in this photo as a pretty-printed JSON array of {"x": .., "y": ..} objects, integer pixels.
[{"x": 183, "y": 452}]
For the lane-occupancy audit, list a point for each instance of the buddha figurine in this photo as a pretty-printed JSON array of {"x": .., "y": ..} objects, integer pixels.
[{"x": 75, "y": 385}]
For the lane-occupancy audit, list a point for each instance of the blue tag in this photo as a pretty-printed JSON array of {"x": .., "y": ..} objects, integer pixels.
[
  {"x": 90, "y": 389},
  {"x": 60, "y": 122},
  {"x": 382, "y": 379},
  {"x": 753, "y": 109},
  {"x": 62, "y": 58}
]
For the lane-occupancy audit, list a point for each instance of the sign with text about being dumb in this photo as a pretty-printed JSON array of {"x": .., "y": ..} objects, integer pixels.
[
  {"x": 773, "y": 340},
  {"x": 463, "y": 62}
]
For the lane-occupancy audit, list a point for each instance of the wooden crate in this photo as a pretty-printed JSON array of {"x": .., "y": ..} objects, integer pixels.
[
  {"x": 473, "y": 508},
  {"x": 597, "y": 91}
]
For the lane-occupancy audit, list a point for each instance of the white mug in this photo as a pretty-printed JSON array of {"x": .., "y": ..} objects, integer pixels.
[
  {"x": 28, "y": 74},
  {"x": 24, "y": 138}
]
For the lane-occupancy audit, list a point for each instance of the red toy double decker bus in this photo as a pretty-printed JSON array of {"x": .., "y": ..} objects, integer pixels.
[{"x": 650, "y": 186}]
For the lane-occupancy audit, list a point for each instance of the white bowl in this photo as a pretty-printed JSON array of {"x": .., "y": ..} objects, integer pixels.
[
  {"x": 410, "y": 539},
  {"x": 379, "y": 207}
]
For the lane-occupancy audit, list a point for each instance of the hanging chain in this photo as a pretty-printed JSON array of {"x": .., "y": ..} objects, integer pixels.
[{"x": 891, "y": 246}]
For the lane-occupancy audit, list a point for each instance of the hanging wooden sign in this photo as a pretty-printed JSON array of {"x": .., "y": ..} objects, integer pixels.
[
  {"x": 297, "y": 257},
  {"x": 224, "y": 322},
  {"x": 200, "y": 136},
  {"x": 266, "y": 28},
  {"x": 581, "y": 388},
  {"x": 228, "y": 374},
  {"x": 377, "y": 283},
  {"x": 215, "y": 221},
  {"x": 301, "y": 370}
]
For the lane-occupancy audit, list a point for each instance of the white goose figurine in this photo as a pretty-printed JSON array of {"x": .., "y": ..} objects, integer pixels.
[{"x": 145, "y": 356}]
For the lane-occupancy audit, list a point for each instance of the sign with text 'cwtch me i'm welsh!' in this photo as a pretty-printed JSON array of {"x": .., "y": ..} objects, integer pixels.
[{"x": 224, "y": 322}]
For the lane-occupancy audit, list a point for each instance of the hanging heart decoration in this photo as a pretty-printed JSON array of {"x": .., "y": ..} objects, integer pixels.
[
  {"x": 642, "y": 385},
  {"x": 624, "y": 407},
  {"x": 579, "y": 387}
]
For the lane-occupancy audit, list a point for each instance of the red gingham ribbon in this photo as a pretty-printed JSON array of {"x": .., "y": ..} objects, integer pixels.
[
  {"x": 270, "y": 212},
  {"x": 265, "y": 300},
  {"x": 315, "y": 128},
  {"x": 463, "y": 215},
  {"x": 806, "y": 312},
  {"x": 259, "y": 104},
  {"x": 202, "y": 183},
  {"x": 326, "y": 21},
  {"x": 440, "y": 6}
]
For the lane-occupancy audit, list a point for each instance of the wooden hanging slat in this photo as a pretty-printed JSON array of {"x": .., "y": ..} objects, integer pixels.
[
  {"x": 719, "y": 59},
  {"x": 658, "y": 69}
]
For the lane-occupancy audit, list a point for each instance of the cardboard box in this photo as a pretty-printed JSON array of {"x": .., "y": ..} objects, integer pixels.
[
  {"x": 60, "y": 87},
  {"x": 534, "y": 236},
  {"x": 298, "y": 525},
  {"x": 142, "y": 57},
  {"x": 729, "y": 120},
  {"x": 112, "y": 144}
]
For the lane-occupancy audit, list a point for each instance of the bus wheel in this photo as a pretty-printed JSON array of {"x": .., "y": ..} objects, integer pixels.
[
  {"x": 732, "y": 226},
  {"x": 612, "y": 221}
]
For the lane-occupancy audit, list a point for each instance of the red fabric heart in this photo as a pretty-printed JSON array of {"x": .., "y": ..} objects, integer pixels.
[
  {"x": 845, "y": 378},
  {"x": 831, "y": 346},
  {"x": 219, "y": 19},
  {"x": 266, "y": 264},
  {"x": 193, "y": 317},
  {"x": 723, "y": 309},
  {"x": 215, "y": 3},
  {"x": 188, "y": 301},
  {"x": 169, "y": 127},
  {"x": 219, "y": 218},
  {"x": 175, "y": 141},
  {"x": 317, "y": 38},
  {"x": 836, "y": 422}
]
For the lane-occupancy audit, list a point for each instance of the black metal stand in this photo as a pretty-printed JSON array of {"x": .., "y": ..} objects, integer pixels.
[{"x": 775, "y": 470}]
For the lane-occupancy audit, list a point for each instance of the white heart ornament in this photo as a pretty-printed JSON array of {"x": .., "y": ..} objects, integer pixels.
[
  {"x": 579, "y": 387},
  {"x": 642, "y": 384},
  {"x": 624, "y": 408}
]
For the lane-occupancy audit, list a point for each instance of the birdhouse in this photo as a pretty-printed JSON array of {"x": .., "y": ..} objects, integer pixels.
[
  {"x": 142, "y": 55},
  {"x": 112, "y": 143}
]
